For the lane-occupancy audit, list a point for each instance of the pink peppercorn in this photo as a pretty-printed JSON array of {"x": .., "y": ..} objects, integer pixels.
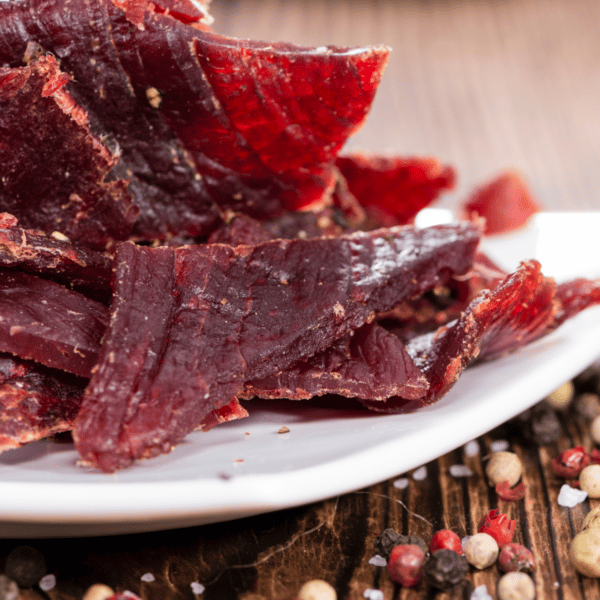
[
  {"x": 515, "y": 557},
  {"x": 499, "y": 526},
  {"x": 569, "y": 463},
  {"x": 406, "y": 565},
  {"x": 510, "y": 494},
  {"x": 445, "y": 538}
]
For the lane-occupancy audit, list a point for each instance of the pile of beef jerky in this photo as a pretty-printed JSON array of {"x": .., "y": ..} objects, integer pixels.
[{"x": 179, "y": 232}]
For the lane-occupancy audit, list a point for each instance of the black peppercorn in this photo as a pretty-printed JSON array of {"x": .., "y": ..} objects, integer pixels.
[
  {"x": 386, "y": 541},
  {"x": 25, "y": 565},
  {"x": 445, "y": 569},
  {"x": 545, "y": 426}
]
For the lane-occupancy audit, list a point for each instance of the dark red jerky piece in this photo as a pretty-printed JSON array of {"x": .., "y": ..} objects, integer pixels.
[
  {"x": 52, "y": 169},
  {"x": 240, "y": 229},
  {"x": 186, "y": 11},
  {"x": 163, "y": 182},
  {"x": 50, "y": 256},
  {"x": 43, "y": 321},
  {"x": 35, "y": 402},
  {"x": 394, "y": 189},
  {"x": 368, "y": 363},
  {"x": 190, "y": 325},
  {"x": 230, "y": 412},
  {"x": 575, "y": 296}
]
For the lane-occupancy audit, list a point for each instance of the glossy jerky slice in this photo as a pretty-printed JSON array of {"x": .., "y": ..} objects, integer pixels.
[
  {"x": 53, "y": 256},
  {"x": 52, "y": 169},
  {"x": 393, "y": 189},
  {"x": 43, "y": 321},
  {"x": 190, "y": 325},
  {"x": 35, "y": 401},
  {"x": 367, "y": 363}
]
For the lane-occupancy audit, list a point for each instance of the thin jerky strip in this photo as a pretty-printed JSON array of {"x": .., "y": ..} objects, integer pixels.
[
  {"x": 368, "y": 363},
  {"x": 35, "y": 402},
  {"x": 43, "y": 321},
  {"x": 190, "y": 325},
  {"x": 52, "y": 169}
]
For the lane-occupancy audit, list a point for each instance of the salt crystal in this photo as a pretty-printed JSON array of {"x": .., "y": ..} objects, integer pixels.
[
  {"x": 372, "y": 594},
  {"x": 472, "y": 448},
  {"x": 47, "y": 582},
  {"x": 460, "y": 471},
  {"x": 570, "y": 497},
  {"x": 378, "y": 561},
  {"x": 147, "y": 577},
  {"x": 401, "y": 483},
  {"x": 420, "y": 474},
  {"x": 197, "y": 588},
  {"x": 499, "y": 445},
  {"x": 480, "y": 593}
]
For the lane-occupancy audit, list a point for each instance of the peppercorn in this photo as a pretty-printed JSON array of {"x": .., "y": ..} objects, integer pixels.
[
  {"x": 561, "y": 397},
  {"x": 445, "y": 569},
  {"x": 569, "y": 463},
  {"x": 544, "y": 424},
  {"x": 592, "y": 519},
  {"x": 587, "y": 406},
  {"x": 595, "y": 430},
  {"x": 385, "y": 541},
  {"x": 515, "y": 557},
  {"x": 585, "y": 552},
  {"x": 9, "y": 590},
  {"x": 499, "y": 526},
  {"x": 503, "y": 466},
  {"x": 25, "y": 565},
  {"x": 516, "y": 586},
  {"x": 98, "y": 591},
  {"x": 406, "y": 565},
  {"x": 510, "y": 494},
  {"x": 316, "y": 589},
  {"x": 481, "y": 550},
  {"x": 444, "y": 538},
  {"x": 126, "y": 595},
  {"x": 589, "y": 481}
]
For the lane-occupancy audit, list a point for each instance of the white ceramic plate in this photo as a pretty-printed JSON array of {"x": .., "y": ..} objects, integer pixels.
[{"x": 246, "y": 467}]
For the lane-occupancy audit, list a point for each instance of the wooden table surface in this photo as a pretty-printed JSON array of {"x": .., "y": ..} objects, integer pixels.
[{"x": 483, "y": 85}]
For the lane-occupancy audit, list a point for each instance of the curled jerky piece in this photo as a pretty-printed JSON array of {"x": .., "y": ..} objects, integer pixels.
[
  {"x": 52, "y": 169},
  {"x": 43, "y": 321},
  {"x": 35, "y": 402},
  {"x": 190, "y": 325},
  {"x": 367, "y": 363}
]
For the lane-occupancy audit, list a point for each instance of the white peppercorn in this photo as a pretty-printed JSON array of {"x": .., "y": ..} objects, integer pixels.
[
  {"x": 516, "y": 586},
  {"x": 562, "y": 396},
  {"x": 98, "y": 591},
  {"x": 503, "y": 466},
  {"x": 481, "y": 550},
  {"x": 316, "y": 589},
  {"x": 595, "y": 430},
  {"x": 589, "y": 480},
  {"x": 592, "y": 519},
  {"x": 585, "y": 552}
]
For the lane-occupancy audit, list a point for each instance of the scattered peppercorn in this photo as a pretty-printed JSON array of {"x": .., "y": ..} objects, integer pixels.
[
  {"x": 589, "y": 481},
  {"x": 98, "y": 591},
  {"x": 316, "y": 589},
  {"x": 385, "y": 541},
  {"x": 569, "y": 463},
  {"x": 25, "y": 565},
  {"x": 499, "y": 526},
  {"x": 585, "y": 552},
  {"x": 561, "y": 397},
  {"x": 405, "y": 566},
  {"x": 503, "y": 466},
  {"x": 510, "y": 494},
  {"x": 545, "y": 426},
  {"x": 516, "y": 586},
  {"x": 9, "y": 590},
  {"x": 515, "y": 557},
  {"x": 595, "y": 430},
  {"x": 445, "y": 569},
  {"x": 592, "y": 519},
  {"x": 126, "y": 595},
  {"x": 481, "y": 550},
  {"x": 587, "y": 406},
  {"x": 445, "y": 538}
]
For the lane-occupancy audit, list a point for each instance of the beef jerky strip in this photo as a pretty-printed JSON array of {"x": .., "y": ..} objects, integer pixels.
[
  {"x": 52, "y": 169},
  {"x": 367, "y": 363},
  {"x": 35, "y": 402},
  {"x": 43, "y": 321},
  {"x": 190, "y": 325},
  {"x": 54, "y": 257}
]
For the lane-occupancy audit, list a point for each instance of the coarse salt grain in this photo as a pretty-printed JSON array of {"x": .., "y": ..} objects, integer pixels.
[
  {"x": 378, "y": 561},
  {"x": 372, "y": 594},
  {"x": 460, "y": 471},
  {"x": 401, "y": 483},
  {"x": 570, "y": 497},
  {"x": 420, "y": 474},
  {"x": 47, "y": 582},
  {"x": 197, "y": 588},
  {"x": 480, "y": 593},
  {"x": 472, "y": 448},
  {"x": 499, "y": 445},
  {"x": 148, "y": 577}
]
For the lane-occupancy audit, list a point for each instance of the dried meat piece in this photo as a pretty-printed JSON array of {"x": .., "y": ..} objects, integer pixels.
[
  {"x": 368, "y": 363},
  {"x": 52, "y": 169},
  {"x": 35, "y": 402},
  {"x": 229, "y": 412},
  {"x": 506, "y": 203},
  {"x": 43, "y": 321},
  {"x": 190, "y": 325},
  {"x": 393, "y": 189},
  {"x": 575, "y": 296},
  {"x": 240, "y": 229},
  {"x": 54, "y": 257}
]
